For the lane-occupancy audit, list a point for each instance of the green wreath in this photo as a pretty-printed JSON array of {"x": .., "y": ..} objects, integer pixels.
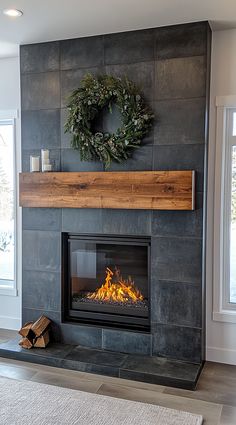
[{"x": 86, "y": 102}]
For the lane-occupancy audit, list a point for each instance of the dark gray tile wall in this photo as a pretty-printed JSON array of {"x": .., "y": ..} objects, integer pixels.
[{"x": 170, "y": 66}]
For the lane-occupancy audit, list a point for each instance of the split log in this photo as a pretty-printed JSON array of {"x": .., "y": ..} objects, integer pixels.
[
  {"x": 24, "y": 331},
  {"x": 40, "y": 325},
  {"x": 42, "y": 341},
  {"x": 35, "y": 334},
  {"x": 26, "y": 343}
]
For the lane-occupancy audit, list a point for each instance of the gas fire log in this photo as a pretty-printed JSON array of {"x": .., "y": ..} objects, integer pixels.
[{"x": 35, "y": 334}]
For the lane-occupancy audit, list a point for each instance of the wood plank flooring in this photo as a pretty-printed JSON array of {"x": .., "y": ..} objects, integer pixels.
[{"x": 215, "y": 397}]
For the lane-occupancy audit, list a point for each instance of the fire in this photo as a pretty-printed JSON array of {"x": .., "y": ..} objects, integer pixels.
[{"x": 120, "y": 290}]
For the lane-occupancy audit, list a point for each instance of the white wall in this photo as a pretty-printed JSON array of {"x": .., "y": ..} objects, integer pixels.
[
  {"x": 10, "y": 306},
  {"x": 221, "y": 337}
]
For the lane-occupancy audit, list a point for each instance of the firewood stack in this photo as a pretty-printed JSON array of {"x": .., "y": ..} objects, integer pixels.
[{"x": 35, "y": 334}]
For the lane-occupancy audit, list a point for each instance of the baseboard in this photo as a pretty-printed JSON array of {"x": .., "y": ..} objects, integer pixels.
[
  {"x": 221, "y": 355},
  {"x": 12, "y": 323}
]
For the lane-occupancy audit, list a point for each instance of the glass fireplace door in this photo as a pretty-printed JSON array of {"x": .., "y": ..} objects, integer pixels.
[{"x": 108, "y": 280}]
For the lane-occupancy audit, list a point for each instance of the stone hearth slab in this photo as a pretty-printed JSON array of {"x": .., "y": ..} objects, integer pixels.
[{"x": 155, "y": 370}]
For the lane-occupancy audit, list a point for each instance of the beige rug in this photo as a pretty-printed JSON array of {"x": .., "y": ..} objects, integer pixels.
[{"x": 30, "y": 403}]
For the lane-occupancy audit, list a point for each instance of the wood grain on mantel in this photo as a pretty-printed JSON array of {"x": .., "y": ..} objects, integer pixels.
[{"x": 151, "y": 190}]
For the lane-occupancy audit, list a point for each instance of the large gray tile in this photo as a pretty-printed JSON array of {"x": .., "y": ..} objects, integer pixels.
[
  {"x": 179, "y": 121},
  {"x": 70, "y": 161},
  {"x": 55, "y": 158},
  {"x": 177, "y": 259},
  {"x": 128, "y": 47},
  {"x": 82, "y": 52},
  {"x": 176, "y": 303},
  {"x": 41, "y": 57},
  {"x": 126, "y": 222},
  {"x": 71, "y": 80},
  {"x": 107, "y": 121},
  {"x": 180, "y": 78},
  {"x": 179, "y": 223},
  {"x": 140, "y": 160},
  {"x": 41, "y": 290},
  {"x": 162, "y": 367},
  {"x": 126, "y": 342},
  {"x": 90, "y": 367},
  {"x": 181, "y": 40},
  {"x": 98, "y": 357},
  {"x": 65, "y": 136},
  {"x": 41, "y": 219},
  {"x": 54, "y": 350},
  {"x": 40, "y": 129},
  {"x": 181, "y": 157},
  {"x": 142, "y": 74},
  {"x": 82, "y": 220},
  {"x": 86, "y": 336},
  {"x": 177, "y": 342},
  {"x": 41, "y": 250},
  {"x": 40, "y": 91}
]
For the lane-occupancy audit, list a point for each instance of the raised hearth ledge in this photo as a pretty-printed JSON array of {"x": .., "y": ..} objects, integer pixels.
[
  {"x": 149, "y": 190},
  {"x": 153, "y": 370}
]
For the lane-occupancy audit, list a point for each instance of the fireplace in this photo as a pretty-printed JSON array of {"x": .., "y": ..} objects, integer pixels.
[{"x": 106, "y": 280}]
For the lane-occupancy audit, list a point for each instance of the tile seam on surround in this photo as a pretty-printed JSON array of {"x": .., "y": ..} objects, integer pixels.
[
  {"x": 198, "y": 328},
  {"x": 167, "y": 281},
  {"x": 78, "y": 68}
]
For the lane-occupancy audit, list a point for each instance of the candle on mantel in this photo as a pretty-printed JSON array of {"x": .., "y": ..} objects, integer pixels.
[
  {"x": 47, "y": 167},
  {"x": 34, "y": 163},
  {"x": 44, "y": 154}
]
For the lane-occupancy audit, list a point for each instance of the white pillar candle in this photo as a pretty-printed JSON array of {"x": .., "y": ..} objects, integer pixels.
[
  {"x": 44, "y": 154},
  {"x": 45, "y": 161},
  {"x": 47, "y": 167},
  {"x": 34, "y": 163}
]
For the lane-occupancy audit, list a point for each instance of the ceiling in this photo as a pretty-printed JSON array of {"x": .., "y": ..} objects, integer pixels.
[{"x": 54, "y": 20}]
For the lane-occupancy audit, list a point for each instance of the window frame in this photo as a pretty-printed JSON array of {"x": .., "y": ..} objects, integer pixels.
[
  {"x": 12, "y": 290},
  {"x": 223, "y": 310}
]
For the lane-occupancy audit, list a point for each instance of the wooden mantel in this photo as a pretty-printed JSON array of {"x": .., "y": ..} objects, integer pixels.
[{"x": 151, "y": 190}]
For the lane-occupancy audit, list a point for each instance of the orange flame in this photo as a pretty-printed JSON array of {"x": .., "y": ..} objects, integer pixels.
[{"x": 120, "y": 291}]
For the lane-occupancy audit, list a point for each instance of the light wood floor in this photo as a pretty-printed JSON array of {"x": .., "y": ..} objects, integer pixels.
[{"x": 215, "y": 397}]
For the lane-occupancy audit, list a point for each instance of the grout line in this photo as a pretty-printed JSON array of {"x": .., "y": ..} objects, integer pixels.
[{"x": 153, "y": 59}]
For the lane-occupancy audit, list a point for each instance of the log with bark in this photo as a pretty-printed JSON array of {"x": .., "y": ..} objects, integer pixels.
[{"x": 35, "y": 334}]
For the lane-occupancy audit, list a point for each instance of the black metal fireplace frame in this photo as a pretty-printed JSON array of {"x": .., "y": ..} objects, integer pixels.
[{"x": 98, "y": 318}]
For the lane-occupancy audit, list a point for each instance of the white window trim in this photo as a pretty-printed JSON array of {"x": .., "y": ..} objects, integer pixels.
[
  {"x": 14, "y": 115},
  {"x": 222, "y": 310}
]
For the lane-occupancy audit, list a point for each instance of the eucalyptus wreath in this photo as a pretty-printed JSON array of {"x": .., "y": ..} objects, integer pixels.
[{"x": 88, "y": 100}]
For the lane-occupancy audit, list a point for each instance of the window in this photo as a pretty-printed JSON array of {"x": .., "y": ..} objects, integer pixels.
[
  {"x": 225, "y": 212},
  {"x": 232, "y": 297},
  {"x": 229, "y": 211},
  {"x": 7, "y": 206}
]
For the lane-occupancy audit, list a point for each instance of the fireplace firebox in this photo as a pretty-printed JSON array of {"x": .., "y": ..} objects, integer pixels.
[{"x": 106, "y": 280}]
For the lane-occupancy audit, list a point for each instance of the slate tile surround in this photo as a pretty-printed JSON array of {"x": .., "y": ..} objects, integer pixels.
[
  {"x": 155, "y": 370},
  {"x": 170, "y": 66}
]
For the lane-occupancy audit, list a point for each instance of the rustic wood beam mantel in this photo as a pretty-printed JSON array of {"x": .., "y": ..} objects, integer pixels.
[{"x": 149, "y": 190}]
